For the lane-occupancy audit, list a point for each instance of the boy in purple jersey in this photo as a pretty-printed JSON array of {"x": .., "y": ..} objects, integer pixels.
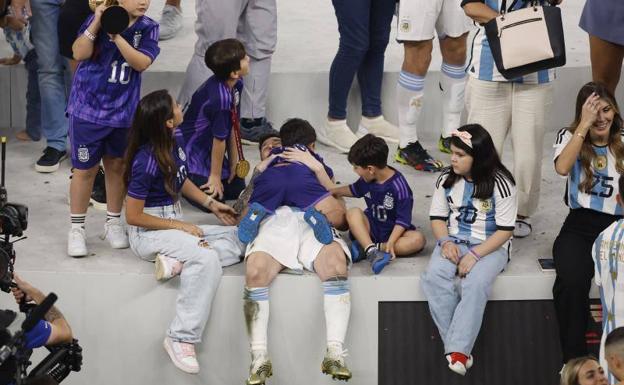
[
  {"x": 104, "y": 96},
  {"x": 210, "y": 119},
  {"x": 298, "y": 178},
  {"x": 385, "y": 228}
]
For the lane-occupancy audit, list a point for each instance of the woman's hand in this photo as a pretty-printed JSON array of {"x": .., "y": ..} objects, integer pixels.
[
  {"x": 191, "y": 229},
  {"x": 450, "y": 251},
  {"x": 225, "y": 213},
  {"x": 589, "y": 113},
  {"x": 465, "y": 264},
  {"x": 293, "y": 154}
]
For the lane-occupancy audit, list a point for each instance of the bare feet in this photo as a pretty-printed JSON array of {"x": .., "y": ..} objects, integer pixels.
[{"x": 23, "y": 136}]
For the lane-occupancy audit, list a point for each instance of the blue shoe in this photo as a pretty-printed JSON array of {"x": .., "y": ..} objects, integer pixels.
[
  {"x": 379, "y": 261},
  {"x": 357, "y": 253},
  {"x": 319, "y": 223},
  {"x": 249, "y": 225}
]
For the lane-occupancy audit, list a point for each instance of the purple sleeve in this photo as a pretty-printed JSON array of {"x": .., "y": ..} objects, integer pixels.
[
  {"x": 142, "y": 176},
  {"x": 404, "y": 212},
  {"x": 85, "y": 25},
  {"x": 221, "y": 124},
  {"x": 39, "y": 335},
  {"x": 149, "y": 42},
  {"x": 358, "y": 189}
]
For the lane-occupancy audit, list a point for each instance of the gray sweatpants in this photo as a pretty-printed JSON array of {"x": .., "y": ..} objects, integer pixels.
[
  {"x": 254, "y": 22},
  {"x": 201, "y": 273}
]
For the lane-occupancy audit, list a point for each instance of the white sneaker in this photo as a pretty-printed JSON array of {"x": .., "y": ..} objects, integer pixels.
[
  {"x": 182, "y": 355},
  {"x": 337, "y": 134},
  {"x": 379, "y": 127},
  {"x": 77, "y": 243},
  {"x": 166, "y": 267},
  {"x": 115, "y": 234},
  {"x": 170, "y": 22},
  {"x": 523, "y": 227}
]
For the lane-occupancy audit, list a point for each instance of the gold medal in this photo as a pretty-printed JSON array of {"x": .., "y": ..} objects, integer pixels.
[
  {"x": 242, "y": 168},
  {"x": 600, "y": 162}
]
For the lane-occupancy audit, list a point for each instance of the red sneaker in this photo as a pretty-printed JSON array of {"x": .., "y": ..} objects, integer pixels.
[{"x": 459, "y": 362}]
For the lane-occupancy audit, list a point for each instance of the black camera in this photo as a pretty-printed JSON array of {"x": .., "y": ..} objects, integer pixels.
[{"x": 13, "y": 222}]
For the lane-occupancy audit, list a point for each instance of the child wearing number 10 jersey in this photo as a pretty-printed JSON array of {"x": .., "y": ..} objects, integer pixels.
[{"x": 104, "y": 96}]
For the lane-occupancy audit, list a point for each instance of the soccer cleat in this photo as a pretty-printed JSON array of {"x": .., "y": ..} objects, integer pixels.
[
  {"x": 379, "y": 259},
  {"x": 166, "y": 267},
  {"x": 249, "y": 225},
  {"x": 459, "y": 363},
  {"x": 334, "y": 364},
  {"x": 357, "y": 252},
  {"x": 444, "y": 144},
  {"x": 337, "y": 134},
  {"x": 170, "y": 22},
  {"x": 380, "y": 127},
  {"x": 115, "y": 234},
  {"x": 320, "y": 225},
  {"x": 416, "y": 156},
  {"x": 256, "y": 128},
  {"x": 77, "y": 243},
  {"x": 182, "y": 355},
  {"x": 260, "y": 369}
]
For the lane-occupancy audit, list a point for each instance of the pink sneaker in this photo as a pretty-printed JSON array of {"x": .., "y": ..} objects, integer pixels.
[
  {"x": 182, "y": 355},
  {"x": 166, "y": 267}
]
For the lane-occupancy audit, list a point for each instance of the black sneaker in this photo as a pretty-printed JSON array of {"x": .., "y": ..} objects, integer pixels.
[
  {"x": 50, "y": 160},
  {"x": 416, "y": 156},
  {"x": 253, "y": 129},
  {"x": 98, "y": 194}
]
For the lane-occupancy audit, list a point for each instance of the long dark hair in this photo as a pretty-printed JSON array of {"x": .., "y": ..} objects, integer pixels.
[
  {"x": 486, "y": 163},
  {"x": 616, "y": 146},
  {"x": 149, "y": 127}
]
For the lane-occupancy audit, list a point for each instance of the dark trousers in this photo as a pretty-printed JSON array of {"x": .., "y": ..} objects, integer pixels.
[
  {"x": 231, "y": 190},
  {"x": 575, "y": 270},
  {"x": 364, "y": 27},
  {"x": 33, "y": 98}
]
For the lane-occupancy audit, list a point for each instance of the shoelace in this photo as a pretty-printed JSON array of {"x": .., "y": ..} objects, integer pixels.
[
  {"x": 187, "y": 349},
  {"x": 338, "y": 354}
]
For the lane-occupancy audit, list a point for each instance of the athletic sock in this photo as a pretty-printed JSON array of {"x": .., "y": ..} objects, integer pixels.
[
  {"x": 337, "y": 305},
  {"x": 409, "y": 99},
  {"x": 111, "y": 216},
  {"x": 452, "y": 84},
  {"x": 78, "y": 221},
  {"x": 256, "y": 309}
]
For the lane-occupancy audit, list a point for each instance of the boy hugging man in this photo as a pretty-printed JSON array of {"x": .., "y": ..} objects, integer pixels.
[
  {"x": 211, "y": 123},
  {"x": 384, "y": 230},
  {"x": 296, "y": 177}
]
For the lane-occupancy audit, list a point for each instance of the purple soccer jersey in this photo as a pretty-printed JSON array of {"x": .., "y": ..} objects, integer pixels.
[
  {"x": 147, "y": 181},
  {"x": 105, "y": 88},
  {"x": 209, "y": 116},
  {"x": 387, "y": 204}
]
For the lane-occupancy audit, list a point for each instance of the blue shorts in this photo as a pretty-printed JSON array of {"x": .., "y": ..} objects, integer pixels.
[
  {"x": 90, "y": 142},
  {"x": 381, "y": 233},
  {"x": 293, "y": 185}
]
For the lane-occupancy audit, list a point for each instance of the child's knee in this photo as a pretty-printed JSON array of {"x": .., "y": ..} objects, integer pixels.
[
  {"x": 86, "y": 174},
  {"x": 353, "y": 214}
]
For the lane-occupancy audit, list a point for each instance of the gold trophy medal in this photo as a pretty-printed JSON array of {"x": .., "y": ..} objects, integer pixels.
[
  {"x": 600, "y": 162},
  {"x": 242, "y": 168}
]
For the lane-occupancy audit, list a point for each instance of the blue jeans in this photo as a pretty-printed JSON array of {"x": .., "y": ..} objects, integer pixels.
[
  {"x": 457, "y": 304},
  {"x": 33, "y": 98},
  {"x": 364, "y": 27},
  {"x": 51, "y": 71}
]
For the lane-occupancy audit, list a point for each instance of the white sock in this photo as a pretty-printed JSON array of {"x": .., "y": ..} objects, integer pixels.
[
  {"x": 110, "y": 216},
  {"x": 452, "y": 83},
  {"x": 409, "y": 99},
  {"x": 78, "y": 221},
  {"x": 256, "y": 309},
  {"x": 337, "y": 304}
]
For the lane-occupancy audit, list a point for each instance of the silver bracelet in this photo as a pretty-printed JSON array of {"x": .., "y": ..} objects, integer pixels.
[{"x": 89, "y": 35}]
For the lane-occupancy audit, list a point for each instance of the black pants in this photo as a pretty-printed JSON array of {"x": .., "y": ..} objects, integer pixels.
[
  {"x": 231, "y": 190},
  {"x": 575, "y": 270}
]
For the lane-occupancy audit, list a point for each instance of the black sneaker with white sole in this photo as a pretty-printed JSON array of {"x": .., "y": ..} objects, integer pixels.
[
  {"x": 50, "y": 160},
  {"x": 253, "y": 129},
  {"x": 98, "y": 194}
]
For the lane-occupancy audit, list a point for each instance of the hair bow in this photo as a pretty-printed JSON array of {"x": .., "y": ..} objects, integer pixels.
[{"x": 464, "y": 136}]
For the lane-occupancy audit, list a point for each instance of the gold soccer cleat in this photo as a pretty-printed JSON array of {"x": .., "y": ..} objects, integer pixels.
[
  {"x": 260, "y": 370},
  {"x": 334, "y": 364}
]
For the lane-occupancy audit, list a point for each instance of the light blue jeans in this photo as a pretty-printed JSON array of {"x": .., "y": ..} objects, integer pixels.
[
  {"x": 457, "y": 304},
  {"x": 52, "y": 82},
  {"x": 201, "y": 273}
]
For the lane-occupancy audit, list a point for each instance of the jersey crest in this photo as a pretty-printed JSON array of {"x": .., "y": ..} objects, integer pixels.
[
  {"x": 137, "y": 39},
  {"x": 388, "y": 201},
  {"x": 181, "y": 154},
  {"x": 485, "y": 205},
  {"x": 83, "y": 154}
]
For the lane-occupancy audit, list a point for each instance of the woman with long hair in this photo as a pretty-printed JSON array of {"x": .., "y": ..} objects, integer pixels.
[
  {"x": 155, "y": 176},
  {"x": 472, "y": 214},
  {"x": 583, "y": 371},
  {"x": 590, "y": 153}
]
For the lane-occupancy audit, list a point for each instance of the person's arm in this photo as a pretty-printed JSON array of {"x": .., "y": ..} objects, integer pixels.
[
  {"x": 438, "y": 215},
  {"x": 137, "y": 60},
  {"x": 306, "y": 158},
  {"x": 397, "y": 232},
  {"x": 136, "y": 217},
  {"x": 568, "y": 156},
  {"x": 10, "y": 61},
  {"x": 82, "y": 49},
  {"x": 60, "y": 330},
  {"x": 342, "y": 191},
  {"x": 225, "y": 213},
  {"x": 479, "y": 11},
  {"x": 216, "y": 163},
  {"x": 232, "y": 156}
]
